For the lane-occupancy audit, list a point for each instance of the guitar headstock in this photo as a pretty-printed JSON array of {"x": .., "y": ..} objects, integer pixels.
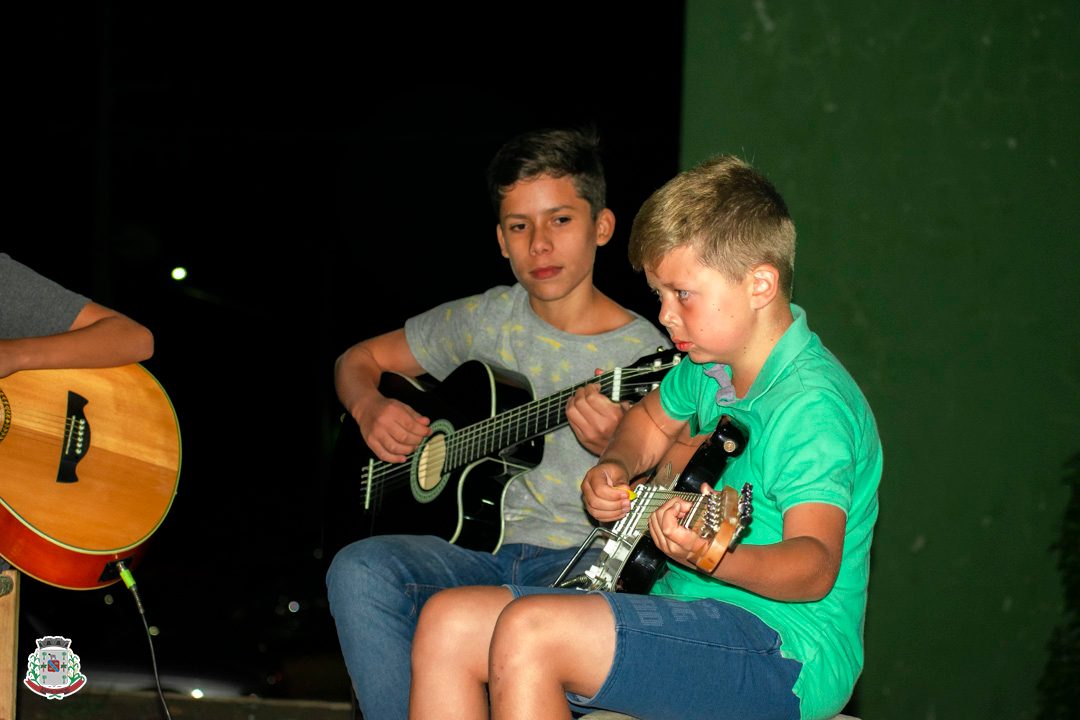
[
  {"x": 745, "y": 512},
  {"x": 725, "y": 513},
  {"x": 644, "y": 375}
]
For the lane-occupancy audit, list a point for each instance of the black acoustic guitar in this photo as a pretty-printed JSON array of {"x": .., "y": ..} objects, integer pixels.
[
  {"x": 630, "y": 561},
  {"x": 486, "y": 429}
]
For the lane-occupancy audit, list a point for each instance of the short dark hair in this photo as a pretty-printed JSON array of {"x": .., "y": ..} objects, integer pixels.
[{"x": 558, "y": 153}]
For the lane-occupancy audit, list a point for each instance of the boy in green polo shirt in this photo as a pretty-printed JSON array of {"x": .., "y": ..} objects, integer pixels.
[{"x": 770, "y": 629}]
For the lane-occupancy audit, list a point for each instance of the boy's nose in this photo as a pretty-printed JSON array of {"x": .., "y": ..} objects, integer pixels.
[{"x": 539, "y": 244}]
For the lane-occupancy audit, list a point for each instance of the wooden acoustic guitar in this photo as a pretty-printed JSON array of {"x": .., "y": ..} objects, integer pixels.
[
  {"x": 629, "y": 560},
  {"x": 487, "y": 429},
  {"x": 89, "y": 466}
]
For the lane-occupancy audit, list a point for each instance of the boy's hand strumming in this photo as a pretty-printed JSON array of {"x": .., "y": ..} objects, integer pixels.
[{"x": 606, "y": 491}]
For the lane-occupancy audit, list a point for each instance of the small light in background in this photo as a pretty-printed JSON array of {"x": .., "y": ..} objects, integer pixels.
[
  {"x": 294, "y": 606},
  {"x": 197, "y": 693},
  {"x": 179, "y": 273}
]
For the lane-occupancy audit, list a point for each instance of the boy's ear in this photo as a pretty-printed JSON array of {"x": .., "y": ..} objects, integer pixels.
[
  {"x": 502, "y": 240},
  {"x": 764, "y": 285},
  {"x": 605, "y": 227}
]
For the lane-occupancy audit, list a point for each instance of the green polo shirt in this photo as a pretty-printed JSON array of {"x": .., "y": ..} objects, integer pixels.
[{"x": 811, "y": 438}]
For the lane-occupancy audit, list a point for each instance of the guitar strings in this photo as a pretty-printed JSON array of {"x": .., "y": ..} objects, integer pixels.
[
  {"x": 471, "y": 437},
  {"x": 465, "y": 439},
  {"x": 458, "y": 444},
  {"x": 655, "y": 500},
  {"x": 35, "y": 416},
  {"x": 32, "y": 423}
]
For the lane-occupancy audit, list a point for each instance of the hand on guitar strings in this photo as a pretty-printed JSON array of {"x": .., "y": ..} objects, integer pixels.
[
  {"x": 679, "y": 543},
  {"x": 606, "y": 491},
  {"x": 391, "y": 429},
  {"x": 593, "y": 416}
]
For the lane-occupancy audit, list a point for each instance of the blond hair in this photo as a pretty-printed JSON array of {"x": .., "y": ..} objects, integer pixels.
[{"x": 727, "y": 211}]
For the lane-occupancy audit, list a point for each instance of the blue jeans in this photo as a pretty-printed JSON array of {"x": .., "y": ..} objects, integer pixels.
[{"x": 376, "y": 587}]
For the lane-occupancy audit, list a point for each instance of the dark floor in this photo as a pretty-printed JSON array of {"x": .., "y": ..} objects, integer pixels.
[{"x": 90, "y": 704}]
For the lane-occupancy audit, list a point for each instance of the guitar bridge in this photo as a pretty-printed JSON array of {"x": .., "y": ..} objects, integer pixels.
[{"x": 76, "y": 439}]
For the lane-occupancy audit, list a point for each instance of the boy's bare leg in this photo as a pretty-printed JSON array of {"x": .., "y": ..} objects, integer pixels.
[
  {"x": 545, "y": 646},
  {"x": 450, "y": 653}
]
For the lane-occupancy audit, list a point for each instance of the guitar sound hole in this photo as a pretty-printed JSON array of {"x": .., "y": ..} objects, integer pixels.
[
  {"x": 429, "y": 469},
  {"x": 5, "y": 415}
]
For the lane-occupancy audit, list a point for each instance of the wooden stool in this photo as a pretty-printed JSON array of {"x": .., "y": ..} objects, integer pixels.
[{"x": 9, "y": 641}]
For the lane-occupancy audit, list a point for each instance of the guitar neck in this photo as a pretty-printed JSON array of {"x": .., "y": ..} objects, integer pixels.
[
  {"x": 649, "y": 498},
  {"x": 491, "y": 436},
  {"x": 527, "y": 421}
]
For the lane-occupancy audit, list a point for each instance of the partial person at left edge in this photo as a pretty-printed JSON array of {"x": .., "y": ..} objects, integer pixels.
[
  {"x": 89, "y": 441},
  {"x": 44, "y": 325}
]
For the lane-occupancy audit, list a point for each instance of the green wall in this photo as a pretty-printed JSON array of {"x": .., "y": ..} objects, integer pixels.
[{"x": 928, "y": 152}]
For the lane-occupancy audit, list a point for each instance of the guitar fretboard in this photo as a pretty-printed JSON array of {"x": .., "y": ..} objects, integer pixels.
[
  {"x": 649, "y": 499},
  {"x": 487, "y": 437}
]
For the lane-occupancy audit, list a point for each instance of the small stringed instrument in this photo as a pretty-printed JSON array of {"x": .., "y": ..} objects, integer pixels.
[
  {"x": 630, "y": 561},
  {"x": 89, "y": 464}
]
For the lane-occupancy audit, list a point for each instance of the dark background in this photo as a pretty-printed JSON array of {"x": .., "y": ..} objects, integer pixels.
[
  {"x": 320, "y": 173},
  {"x": 928, "y": 152}
]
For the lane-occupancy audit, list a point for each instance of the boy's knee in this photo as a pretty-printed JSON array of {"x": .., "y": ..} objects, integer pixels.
[
  {"x": 341, "y": 568},
  {"x": 523, "y": 628},
  {"x": 440, "y": 609},
  {"x": 441, "y": 627},
  {"x": 351, "y": 573}
]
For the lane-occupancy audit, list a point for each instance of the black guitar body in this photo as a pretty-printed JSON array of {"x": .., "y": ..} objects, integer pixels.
[
  {"x": 646, "y": 562},
  {"x": 486, "y": 430},
  {"x": 459, "y": 500}
]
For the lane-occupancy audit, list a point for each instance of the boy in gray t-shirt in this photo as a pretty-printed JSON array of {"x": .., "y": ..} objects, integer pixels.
[
  {"x": 542, "y": 506},
  {"x": 555, "y": 329}
]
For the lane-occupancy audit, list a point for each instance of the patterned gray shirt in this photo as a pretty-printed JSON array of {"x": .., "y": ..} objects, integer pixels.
[{"x": 542, "y": 506}]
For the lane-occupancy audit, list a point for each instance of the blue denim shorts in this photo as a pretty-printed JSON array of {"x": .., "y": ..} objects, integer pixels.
[{"x": 688, "y": 659}]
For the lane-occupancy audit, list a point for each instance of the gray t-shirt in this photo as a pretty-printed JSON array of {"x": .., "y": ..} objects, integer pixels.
[
  {"x": 542, "y": 506},
  {"x": 32, "y": 305}
]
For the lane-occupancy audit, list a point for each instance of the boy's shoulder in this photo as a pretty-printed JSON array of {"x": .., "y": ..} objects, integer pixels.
[
  {"x": 812, "y": 386},
  {"x": 505, "y": 296}
]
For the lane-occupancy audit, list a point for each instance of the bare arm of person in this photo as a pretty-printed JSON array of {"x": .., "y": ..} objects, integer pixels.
[
  {"x": 640, "y": 440},
  {"x": 98, "y": 337},
  {"x": 390, "y": 428},
  {"x": 801, "y": 567}
]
